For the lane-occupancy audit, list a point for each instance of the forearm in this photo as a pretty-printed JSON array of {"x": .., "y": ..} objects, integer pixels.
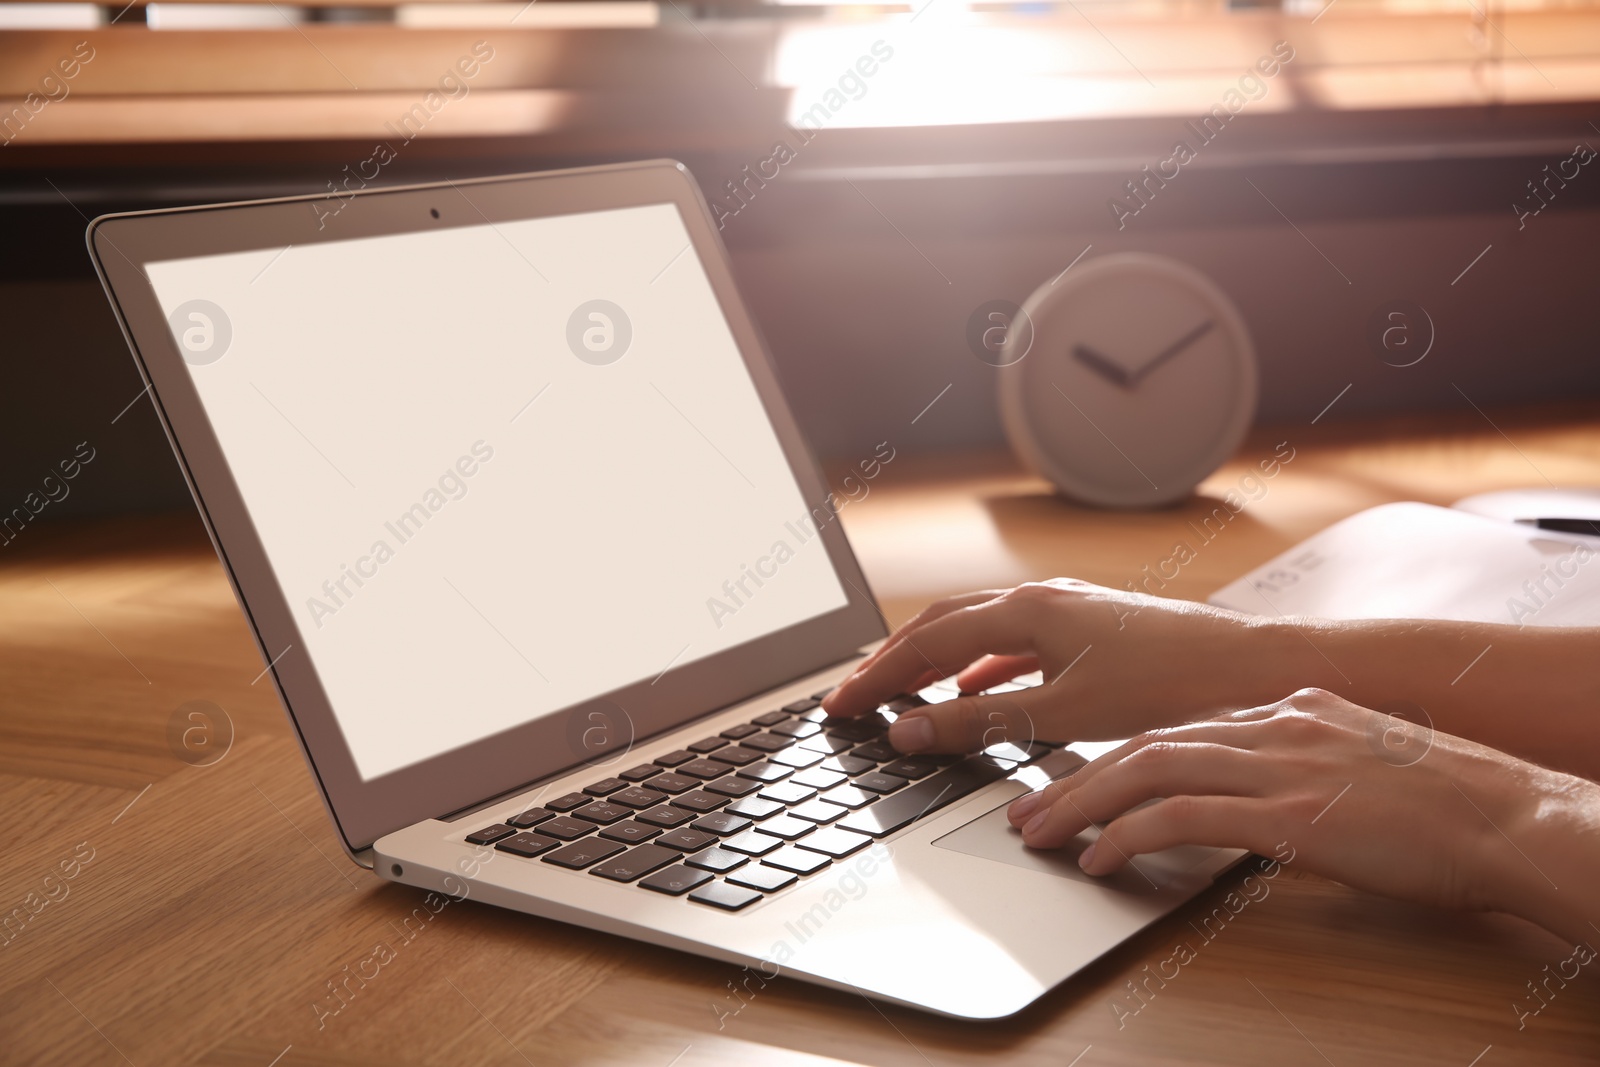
[{"x": 1533, "y": 692}]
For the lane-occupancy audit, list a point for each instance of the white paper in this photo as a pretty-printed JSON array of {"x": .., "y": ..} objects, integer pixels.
[{"x": 1417, "y": 561}]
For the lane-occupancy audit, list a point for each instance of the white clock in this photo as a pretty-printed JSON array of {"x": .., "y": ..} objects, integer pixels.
[{"x": 1139, "y": 380}]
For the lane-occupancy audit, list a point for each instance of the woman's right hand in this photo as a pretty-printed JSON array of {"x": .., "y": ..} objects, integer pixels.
[
  {"x": 1454, "y": 824},
  {"x": 1114, "y": 663}
]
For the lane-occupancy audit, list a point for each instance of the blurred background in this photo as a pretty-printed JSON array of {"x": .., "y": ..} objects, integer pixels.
[{"x": 879, "y": 170}]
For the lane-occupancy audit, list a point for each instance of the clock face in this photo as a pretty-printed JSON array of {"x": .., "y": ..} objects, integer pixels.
[{"x": 1140, "y": 381}]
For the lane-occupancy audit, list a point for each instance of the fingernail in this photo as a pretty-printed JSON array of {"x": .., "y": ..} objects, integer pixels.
[
  {"x": 911, "y": 734},
  {"x": 1086, "y": 857},
  {"x": 1033, "y": 825},
  {"x": 1022, "y": 807}
]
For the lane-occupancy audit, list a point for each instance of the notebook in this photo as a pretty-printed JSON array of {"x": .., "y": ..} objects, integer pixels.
[{"x": 1418, "y": 561}]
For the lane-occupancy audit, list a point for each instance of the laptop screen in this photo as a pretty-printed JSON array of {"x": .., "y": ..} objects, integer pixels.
[{"x": 497, "y": 469}]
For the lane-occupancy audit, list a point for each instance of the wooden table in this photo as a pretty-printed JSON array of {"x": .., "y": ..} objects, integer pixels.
[{"x": 215, "y": 908}]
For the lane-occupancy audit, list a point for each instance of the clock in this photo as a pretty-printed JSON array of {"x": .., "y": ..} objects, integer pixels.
[{"x": 1139, "y": 380}]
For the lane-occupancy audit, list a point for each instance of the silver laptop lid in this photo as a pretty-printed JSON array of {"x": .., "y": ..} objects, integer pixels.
[{"x": 499, "y": 469}]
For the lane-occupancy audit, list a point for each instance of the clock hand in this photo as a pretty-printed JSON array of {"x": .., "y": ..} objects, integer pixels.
[
  {"x": 1173, "y": 349},
  {"x": 1102, "y": 366}
]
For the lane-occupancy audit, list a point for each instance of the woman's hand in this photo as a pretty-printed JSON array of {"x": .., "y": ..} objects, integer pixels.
[
  {"x": 1117, "y": 662},
  {"x": 1114, "y": 663},
  {"x": 1451, "y": 823}
]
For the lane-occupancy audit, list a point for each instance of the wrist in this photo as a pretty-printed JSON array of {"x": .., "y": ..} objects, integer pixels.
[
  {"x": 1544, "y": 865},
  {"x": 1286, "y": 654}
]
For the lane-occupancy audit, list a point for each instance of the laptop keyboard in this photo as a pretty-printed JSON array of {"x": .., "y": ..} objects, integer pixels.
[{"x": 731, "y": 819}]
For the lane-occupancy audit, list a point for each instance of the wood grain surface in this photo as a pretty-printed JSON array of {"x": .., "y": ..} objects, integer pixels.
[{"x": 208, "y": 911}]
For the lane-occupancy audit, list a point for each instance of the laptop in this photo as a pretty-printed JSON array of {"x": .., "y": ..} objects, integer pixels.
[{"x": 550, "y": 587}]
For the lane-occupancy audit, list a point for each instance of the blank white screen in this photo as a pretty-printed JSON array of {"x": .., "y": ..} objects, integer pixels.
[{"x": 582, "y": 552}]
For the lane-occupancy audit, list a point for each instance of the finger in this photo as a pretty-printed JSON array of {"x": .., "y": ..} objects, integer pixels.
[
  {"x": 937, "y": 610},
  {"x": 1151, "y": 772},
  {"x": 924, "y": 680},
  {"x": 995, "y": 670},
  {"x": 945, "y": 645},
  {"x": 967, "y": 723},
  {"x": 1217, "y": 822},
  {"x": 1224, "y": 730}
]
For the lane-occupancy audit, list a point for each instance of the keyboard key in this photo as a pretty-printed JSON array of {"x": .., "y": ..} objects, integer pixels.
[
  {"x": 665, "y": 816},
  {"x": 828, "y": 746},
  {"x": 876, "y": 751},
  {"x": 791, "y": 858},
  {"x": 796, "y": 757},
  {"x": 720, "y": 822},
  {"x": 640, "y": 773},
  {"x": 797, "y": 728},
  {"x": 727, "y": 897},
  {"x": 490, "y": 834},
  {"x": 876, "y": 782},
  {"x": 819, "y": 694},
  {"x": 788, "y": 793},
  {"x": 583, "y": 854},
  {"x": 717, "y": 859},
  {"x": 630, "y": 832},
  {"x": 738, "y": 755},
  {"x": 800, "y": 706},
  {"x": 767, "y": 742},
  {"x": 604, "y": 787},
  {"x": 637, "y": 797},
  {"x": 733, "y": 787},
  {"x": 744, "y": 729},
  {"x": 847, "y": 763},
  {"x": 849, "y": 796},
  {"x": 911, "y": 767},
  {"x": 929, "y": 795},
  {"x": 602, "y": 812},
  {"x": 566, "y": 829},
  {"x": 765, "y": 772},
  {"x": 699, "y": 801},
  {"x": 751, "y": 843},
  {"x": 676, "y": 881},
  {"x": 817, "y": 811},
  {"x": 531, "y": 817},
  {"x": 708, "y": 744},
  {"x": 771, "y": 718},
  {"x": 568, "y": 802},
  {"x": 675, "y": 757},
  {"x": 704, "y": 768},
  {"x": 754, "y": 807},
  {"x": 863, "y": 729},
  {"x": 1023, "y": 753},
  {"x": 832, "y": 841},
  {"x": 787, "y": 827},
  {"x": 820, "y": 777},
  {"x": 636, "y": 863},
  {"x": 687, "y": 840},
  {"x": 527, "y": 844},
  {"x": 673, "y": 783},
  {"x": 816, "y": 715},
  {"x": 759, "y": 876}
]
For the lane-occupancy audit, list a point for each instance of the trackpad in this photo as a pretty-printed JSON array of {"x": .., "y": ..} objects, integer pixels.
[{"x": 992, "y": 837}]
